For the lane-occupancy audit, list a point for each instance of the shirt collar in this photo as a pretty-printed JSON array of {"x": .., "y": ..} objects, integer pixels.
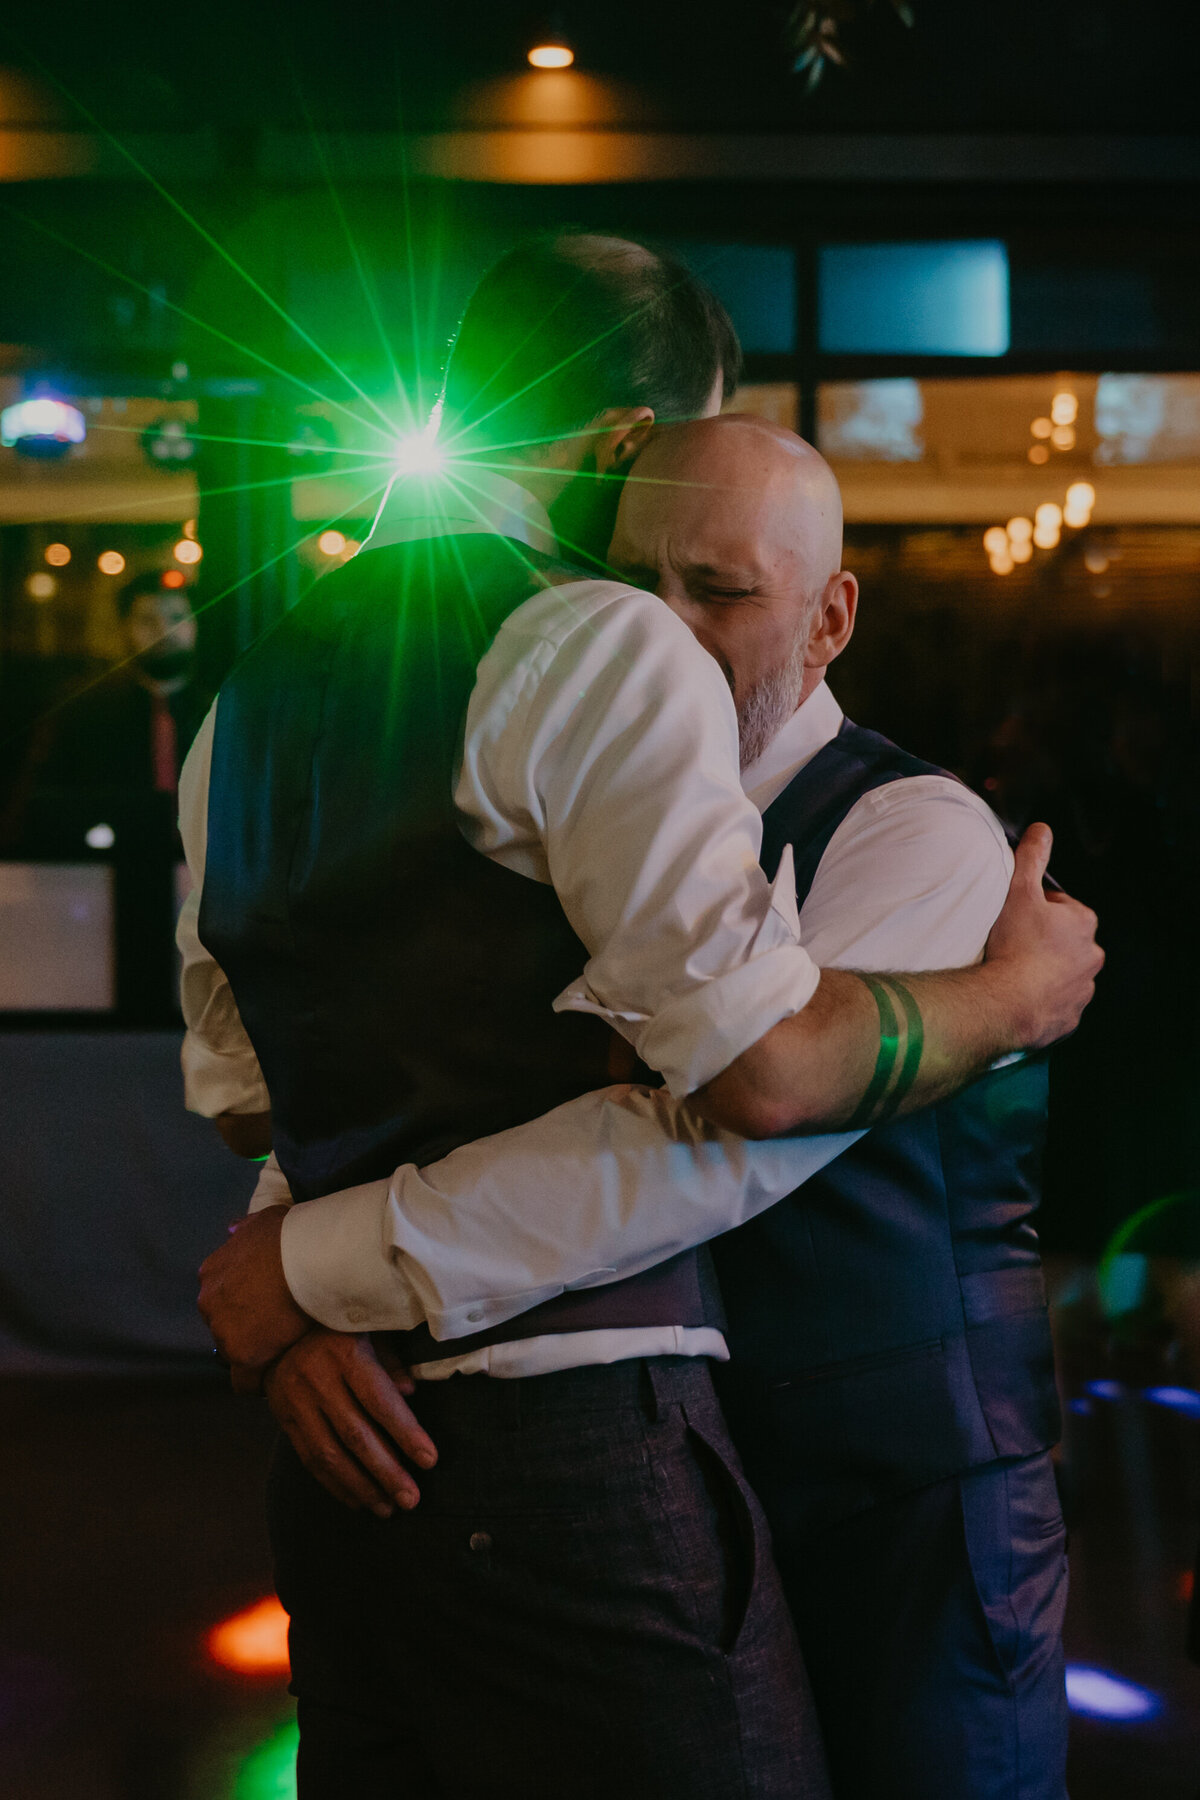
[
  {"x": 797, "y": 741},
  {"x": 458, "y": 504}
]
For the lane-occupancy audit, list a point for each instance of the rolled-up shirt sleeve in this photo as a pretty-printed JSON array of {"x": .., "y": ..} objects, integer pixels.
[
  {"x": 220, "y": 1070},
  {"x": 600, "y": 731}
]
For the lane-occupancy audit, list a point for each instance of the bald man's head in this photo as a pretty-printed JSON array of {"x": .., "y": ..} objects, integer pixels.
[{"x": 737, "y": 524}]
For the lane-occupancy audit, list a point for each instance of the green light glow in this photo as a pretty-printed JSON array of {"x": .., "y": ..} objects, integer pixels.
[{"x": 269, "y": 1772}]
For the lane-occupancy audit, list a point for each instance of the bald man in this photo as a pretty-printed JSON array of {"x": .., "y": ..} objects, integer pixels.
[{"x": 890, "y": 1381}]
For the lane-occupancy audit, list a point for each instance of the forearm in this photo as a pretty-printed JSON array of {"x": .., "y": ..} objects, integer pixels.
[
  {"x": 602, "y": 1187},
  {"x": 865, "y": 1049}
]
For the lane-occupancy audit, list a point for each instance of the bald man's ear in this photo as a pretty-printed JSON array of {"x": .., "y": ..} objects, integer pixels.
[
  {"x": 833, "y": 620},
  {"x": 622, "y": 436}
]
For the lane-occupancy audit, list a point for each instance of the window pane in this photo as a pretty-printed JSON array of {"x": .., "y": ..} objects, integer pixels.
[
  {"x": 946, "y": 299},
  {"x": 758, "y": 285},
  {"x": 983, "y": 449}
]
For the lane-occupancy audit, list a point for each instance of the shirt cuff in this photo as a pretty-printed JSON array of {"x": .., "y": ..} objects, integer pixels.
[
  {"x": 339, "y": 1264},
  {"x": 214, "y": 1082},
  {"x": 271, "y": 1188}
]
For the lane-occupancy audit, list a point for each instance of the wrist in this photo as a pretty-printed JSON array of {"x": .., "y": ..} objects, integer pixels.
[{"x": 1011, "y": 1006}]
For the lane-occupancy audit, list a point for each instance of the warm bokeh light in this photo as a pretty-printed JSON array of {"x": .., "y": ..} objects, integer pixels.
[
  {"x": 1021, "y": 551},
  {"x": 995, "y": 540},
  {"x": 1048, "y": 515},
  {"x": 1001, "y": 565},
  {"x": 1046, "y": 537},
  {"x": 58, "y": 555},
  {"x": 110, "y": 562},
  {"x": 331, "y": 543},
  {"x": 1076, "y": 517},
  {"x": 1019, "y": 530},
  {"x": 189, "y": 528},
  {"x": 187, "y": 550},
  {"x": 41, "y": 586},
  {"x": 1038, "y": 453},
  {"x": 1041, "y": 428},
  {"x": 1081, "y": 494},
  {"x": 1063, "y": 437},
  {"x": 253, "y": 1642},
  {"x": 1064, "y": 409},
  {"x": 172, "y": 578},
  {"x": 1095, "y": 561},
  {"x": 551, "y": 56}
]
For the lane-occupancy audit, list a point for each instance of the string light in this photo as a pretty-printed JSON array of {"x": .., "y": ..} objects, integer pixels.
[
  {"x": 187, "y": 550},
  {"x": 1041, "y": 428},
  {"x": 331, "y": 543},
  {"x": 995, "y": 540},
  {"x": 1047, "y": 525},
  {"x": 1038, "y": 453},
  {"x": 1021, "y": 551},
  {"x": 1063, "y": 437},
  {"x": 1064, "y": 409},
  {"x": 110, "y": 562},
  {"x": 57, "y": 555},
  {"x": 41, "y": 586},
  {"x": 1001, "y": 565},
  {"x": 1019, "y": 530}
]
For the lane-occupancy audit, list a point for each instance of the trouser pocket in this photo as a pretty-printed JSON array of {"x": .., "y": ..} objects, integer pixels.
[{"x": 738, "y": 1524}]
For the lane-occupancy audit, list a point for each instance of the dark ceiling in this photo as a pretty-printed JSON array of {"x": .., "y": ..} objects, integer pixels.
[{"x": 1107, "y": 66}]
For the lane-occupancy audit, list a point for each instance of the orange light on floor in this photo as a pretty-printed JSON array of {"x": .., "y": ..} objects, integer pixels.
[
  {"x": 551, "y": 56},
  {"x": 253, "y": 1642}
]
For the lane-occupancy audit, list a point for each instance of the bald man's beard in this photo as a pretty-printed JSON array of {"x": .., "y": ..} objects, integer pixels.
[{"x": 770, "y": 703}]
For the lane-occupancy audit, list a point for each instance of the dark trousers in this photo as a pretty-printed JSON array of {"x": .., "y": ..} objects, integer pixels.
[
  {"x": 582, "y": 1607},
  {"x": 931, "y": 1627}
]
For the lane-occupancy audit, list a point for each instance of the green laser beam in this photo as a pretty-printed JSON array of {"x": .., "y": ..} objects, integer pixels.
[
  {"x": 215, "y": 437},
  {"x": 192, "y": 318},
  {"x": 117, "y": 668},
  {"x": 387, "y": 429}
]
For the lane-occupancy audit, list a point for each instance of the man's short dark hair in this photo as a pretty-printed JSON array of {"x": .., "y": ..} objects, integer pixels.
[{"x": 568, "y": 324}]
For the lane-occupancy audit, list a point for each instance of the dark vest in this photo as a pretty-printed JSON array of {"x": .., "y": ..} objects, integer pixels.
[
  {"x": 396, "y": 985},
  {"x": 887, "y": 1323}
]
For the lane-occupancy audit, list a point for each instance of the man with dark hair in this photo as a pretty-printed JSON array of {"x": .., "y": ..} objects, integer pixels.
[
  {"x": 457, "y": 772},
  {"x": 132, "y": 730}
]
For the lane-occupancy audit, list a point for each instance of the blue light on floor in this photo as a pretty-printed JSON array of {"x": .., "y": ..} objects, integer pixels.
[
  {"x": 1179, "y": 1399},
  {"x": 1106, "y": 1390},
  {"x": 1098, "y": 1695}
]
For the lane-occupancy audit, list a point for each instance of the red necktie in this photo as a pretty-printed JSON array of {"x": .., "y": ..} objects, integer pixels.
[{"x": 163, "y": 745}]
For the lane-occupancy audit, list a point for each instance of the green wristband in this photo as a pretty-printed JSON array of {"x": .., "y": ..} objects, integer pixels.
[
  {"x": 913, "y": 1048},
  {"x": 889, "y": 1049}
]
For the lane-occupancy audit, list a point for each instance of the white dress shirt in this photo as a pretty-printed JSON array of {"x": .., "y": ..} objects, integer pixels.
[
  {"x": 600, "y": 754},
  {"x": 618, "y": 1180}
]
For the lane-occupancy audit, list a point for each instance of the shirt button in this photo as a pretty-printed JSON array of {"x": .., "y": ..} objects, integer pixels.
[
  {"x": 480, "y": 1541},
  {"x": 474, "y": 1318},
  {"x": 356, "y": 1314}
]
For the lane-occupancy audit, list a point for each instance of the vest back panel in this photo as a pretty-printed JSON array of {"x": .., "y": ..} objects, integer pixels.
[{"x": 396, "y": 984}]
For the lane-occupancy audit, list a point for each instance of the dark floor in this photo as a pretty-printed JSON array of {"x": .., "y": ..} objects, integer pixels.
[{"x": 132, "y": 1523}]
